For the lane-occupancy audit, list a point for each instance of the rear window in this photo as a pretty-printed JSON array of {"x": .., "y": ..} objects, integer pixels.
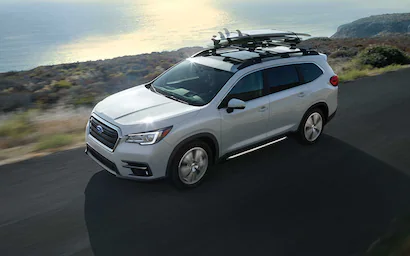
[
  {"x": 309, "y": 72},
  {"x": 282, "y": 78}
]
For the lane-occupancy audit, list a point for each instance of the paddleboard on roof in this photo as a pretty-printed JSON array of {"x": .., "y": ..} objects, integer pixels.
[{"x": 255, "y": 34}]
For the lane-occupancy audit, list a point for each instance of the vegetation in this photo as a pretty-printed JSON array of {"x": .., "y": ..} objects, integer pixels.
[
  {"x": 84, "y": 101},
  {"x": 379, "y": 56},
  {"x": 63, "y": 84},
  {"x": 350, "y": 47},
  {"x": 353, "y": 74},
  {"x": 86, "y": 83},
  {"x": 18, "y": 126},
  {"x": 82, "y": 84},
  {"x": 373, "y": 60},
  {"x": 54, "y": 141},
  {"x": 33, "y": 131}
]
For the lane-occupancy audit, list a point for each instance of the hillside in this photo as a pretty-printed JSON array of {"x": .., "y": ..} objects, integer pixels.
[
  {"x": 82, "y": 83},
  {"x": 379, "y": 25},
  {"x": 86, "y": 83}
]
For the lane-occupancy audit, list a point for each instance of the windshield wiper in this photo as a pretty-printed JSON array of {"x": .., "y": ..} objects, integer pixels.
[
  {"x": 175, "y": 98},
  {"x": 161, "y": 92}
]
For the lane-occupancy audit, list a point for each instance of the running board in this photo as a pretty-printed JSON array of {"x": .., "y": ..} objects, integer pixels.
[{"x": 257, "y": 148}]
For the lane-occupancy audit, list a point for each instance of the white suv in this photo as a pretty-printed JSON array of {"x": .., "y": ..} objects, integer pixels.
[{"x": 216, "y": 104}]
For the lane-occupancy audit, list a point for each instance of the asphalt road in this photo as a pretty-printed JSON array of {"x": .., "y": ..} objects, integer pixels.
[{"x": 334, "y": 198}]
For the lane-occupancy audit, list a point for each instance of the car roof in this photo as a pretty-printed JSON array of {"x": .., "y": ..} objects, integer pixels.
[
  {"x": 233, "y": 60},
  {"x": 214, "y": 62},
  {"x": 233, "y": 51}
]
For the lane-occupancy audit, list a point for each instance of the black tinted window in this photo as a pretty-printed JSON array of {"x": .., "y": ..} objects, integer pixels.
[
  {"x": 282, "y": 78},
  {"x": 309, "y": 72},
  {"x": 248, "y": 88}
]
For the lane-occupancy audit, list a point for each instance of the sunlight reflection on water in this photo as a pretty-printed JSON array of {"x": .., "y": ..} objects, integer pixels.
[
  {"x": 163, "y": 27},
  {"x": 53, "y": 32}
]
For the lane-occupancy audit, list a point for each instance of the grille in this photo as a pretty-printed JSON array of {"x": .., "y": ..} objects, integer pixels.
[
  {"x": 108, "y": 136},
  {"x": 102, "y": 159}
]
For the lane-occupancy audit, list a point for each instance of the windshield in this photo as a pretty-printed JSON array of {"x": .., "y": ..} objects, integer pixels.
[{"x": 192, "y": 83}]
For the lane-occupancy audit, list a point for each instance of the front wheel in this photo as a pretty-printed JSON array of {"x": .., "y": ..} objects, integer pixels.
[
  {"x": 190, "y": 164},
  {"x": 311, "y": 127}
]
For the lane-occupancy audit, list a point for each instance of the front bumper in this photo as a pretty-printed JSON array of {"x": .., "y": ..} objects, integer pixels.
[{"x": 129, "y": 160}]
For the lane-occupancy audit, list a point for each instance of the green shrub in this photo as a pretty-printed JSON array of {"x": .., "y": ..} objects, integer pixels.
[
  {"x": 85, "y": 100},
  {"x": 343, "y": 54},
  {"x": 17, "y": 127},
  {"x": 63, "y": 84},
  {"x": 54, "y": 141},
  {"x": 138, "y": 73},
  {"x": 382, "y": 56}
]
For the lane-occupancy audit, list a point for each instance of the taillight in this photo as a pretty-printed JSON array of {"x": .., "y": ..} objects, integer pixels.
[{"x": 334, "y": 80}]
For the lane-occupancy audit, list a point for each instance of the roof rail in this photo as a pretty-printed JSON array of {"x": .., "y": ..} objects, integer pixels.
[{"x": 269, "y": 54}]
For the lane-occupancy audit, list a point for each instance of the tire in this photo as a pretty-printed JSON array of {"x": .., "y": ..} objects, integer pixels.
[
  {"x": 191, "y": 164},
  {"x": 311, "y": 127}
]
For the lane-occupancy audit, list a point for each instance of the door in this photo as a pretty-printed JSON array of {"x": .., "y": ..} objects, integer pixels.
[
  {"x": 244, "y": 127},
  {"x": 288, "y": 98}
]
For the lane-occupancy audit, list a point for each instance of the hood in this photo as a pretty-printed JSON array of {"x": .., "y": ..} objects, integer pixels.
[{"x": 140, "y": 105}]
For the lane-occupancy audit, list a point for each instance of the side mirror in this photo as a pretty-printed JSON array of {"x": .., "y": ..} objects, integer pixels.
[{"x": 235, "y": 104}]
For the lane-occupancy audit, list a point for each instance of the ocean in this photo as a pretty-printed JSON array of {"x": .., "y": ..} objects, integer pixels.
[{"x": 45, "y": 33}]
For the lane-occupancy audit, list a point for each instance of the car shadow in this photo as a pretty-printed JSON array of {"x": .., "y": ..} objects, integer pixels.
[{"x": 287, "y": 199}]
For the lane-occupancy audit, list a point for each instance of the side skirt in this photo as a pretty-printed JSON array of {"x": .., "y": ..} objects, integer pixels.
[{"x": 252, "y": 148}]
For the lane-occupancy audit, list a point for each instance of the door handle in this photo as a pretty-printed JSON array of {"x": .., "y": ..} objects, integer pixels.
[
  {"x": 263, "y": 109},
  {"x": 302, "y": 94}
]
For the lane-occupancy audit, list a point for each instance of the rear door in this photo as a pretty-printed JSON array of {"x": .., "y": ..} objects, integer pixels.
[{"x": 288, "y": 98}]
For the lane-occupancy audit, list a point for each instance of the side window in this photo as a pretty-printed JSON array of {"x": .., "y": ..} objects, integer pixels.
[
  {"x": 248, "y": 88},
  {"x": 310, "y": 72},
  {"x": 282, "y": 78}
]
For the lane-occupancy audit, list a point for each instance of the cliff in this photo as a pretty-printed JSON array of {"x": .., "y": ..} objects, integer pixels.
[{"x": 379, "y": 25}]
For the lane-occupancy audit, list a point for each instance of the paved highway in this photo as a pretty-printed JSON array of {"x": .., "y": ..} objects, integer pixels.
[{"x": 334, "y": 198}]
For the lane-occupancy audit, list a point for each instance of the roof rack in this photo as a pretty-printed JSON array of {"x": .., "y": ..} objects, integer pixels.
[
  {"x": 268, "y": 54},
  {"x": 255, "y": 41}
]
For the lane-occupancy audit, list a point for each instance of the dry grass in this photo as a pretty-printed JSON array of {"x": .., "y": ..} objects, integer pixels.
[
  {"x": 74, "y": 124},
  {"x": 33, "y": 131},
  {"x": 54, "y": 141},
  {"x": 352, "y": 74}
]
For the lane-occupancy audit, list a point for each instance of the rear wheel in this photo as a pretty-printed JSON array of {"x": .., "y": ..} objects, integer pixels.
[
  {"x": 191, "y": 164},
  {"x": 311, "y": 127}
]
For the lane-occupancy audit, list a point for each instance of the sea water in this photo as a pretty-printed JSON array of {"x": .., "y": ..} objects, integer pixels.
[{"x": 45, "y": 32}]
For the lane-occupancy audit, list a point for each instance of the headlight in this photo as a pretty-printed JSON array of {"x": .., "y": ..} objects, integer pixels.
[{"x": 148, "y": 138}]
